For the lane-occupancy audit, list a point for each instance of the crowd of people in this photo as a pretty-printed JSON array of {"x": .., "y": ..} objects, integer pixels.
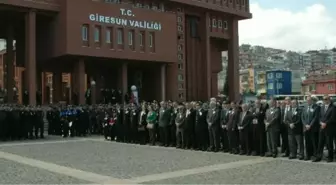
[{"x": 257, "y": 129}]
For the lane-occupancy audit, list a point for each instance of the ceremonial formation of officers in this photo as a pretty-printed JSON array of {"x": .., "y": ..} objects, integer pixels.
[
  {"x": 238, "y": 128},
  {"x": 20, "y": 122}
]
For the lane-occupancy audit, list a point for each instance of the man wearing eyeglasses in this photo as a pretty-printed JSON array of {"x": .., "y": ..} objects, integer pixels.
[{"x": 327, "y": 129}]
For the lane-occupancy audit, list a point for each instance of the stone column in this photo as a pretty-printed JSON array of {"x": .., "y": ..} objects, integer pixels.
[
  {"x": 233, "y": 62},
  {"x": 208, "y": 57},
  {"x": 163, "y": 82},
  {"x": 30, "y": 62},
  {"x": 93, "y": 88},
  {"x": 79, "y": 71},
  {"x": 10, "y": 64}
]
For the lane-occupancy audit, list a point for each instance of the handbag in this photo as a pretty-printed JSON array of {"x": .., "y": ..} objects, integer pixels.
[{"x": 150, "y": 126}]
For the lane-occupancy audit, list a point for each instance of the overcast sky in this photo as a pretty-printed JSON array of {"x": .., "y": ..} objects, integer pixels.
[{"x": 298, "y": 25}]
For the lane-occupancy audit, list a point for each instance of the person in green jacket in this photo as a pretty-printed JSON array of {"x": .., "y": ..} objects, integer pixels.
[{"x": 151, "y": 124}]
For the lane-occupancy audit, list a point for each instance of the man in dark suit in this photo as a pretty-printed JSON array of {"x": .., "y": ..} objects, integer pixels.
[
  {"x": 294, "y": 126},
  {"x": 180, "y": 125},
  {"x": 223, "y": 131},
  {"x": 310, "y": 117},
  {"x": 327, "y": 129},
  {"x": 172, "y": 126},
  {"x": 244, "y": 127},
  {"x": 164, "y": 120},
  {"x": 189, "y": 128},
  {"x": 213, "y": 120},
  {"x": 232, "y": 128},
  {"x": 258, "y": 130},
  {"x": 272, "y": 124},
  {"x": 201, "y": 127},
  {"x": 284, "y": 107}
]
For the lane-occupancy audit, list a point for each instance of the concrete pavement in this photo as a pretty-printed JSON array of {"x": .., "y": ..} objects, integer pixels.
[{"x": 93, "y": 160}]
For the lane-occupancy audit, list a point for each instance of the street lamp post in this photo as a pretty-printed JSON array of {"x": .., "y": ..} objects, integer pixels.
[{"x": 93, "y": 92}]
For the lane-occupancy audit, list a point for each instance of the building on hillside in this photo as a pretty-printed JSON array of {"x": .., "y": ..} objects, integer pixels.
[
  {"x": 247, "y": 80},
  {"x": 279, "y": 82},
  {"x": 297, "y": 76},
  {"x": 223, "y": 73},
  {"x": 323, "y": 82},
  {"x": 260, "y": 81}
]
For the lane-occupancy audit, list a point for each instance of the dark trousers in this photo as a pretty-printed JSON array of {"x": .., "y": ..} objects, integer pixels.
[
  {"x": 134, "y": 134},
  {"x": 224, "y": 139},
  {"x": 152, "y": 136},
  {"x": 233, "y": 136},
  {"x": 272, "y": 141},
  {"x": 326, "y": 138},
  {"x": 142, "y": 136},
  {"x": 180, "y": 138},
  {"x": 311, "y": 140},
  {"x": 164, "y": 135},
  {"x": 189, "y": 137},
  {"x": 201, "y": 138},
  {"x": 214, "y": 137},
  {"x": 296, "y": 142},
  {"x": 244, "y": 137},
  {"x": 172, "y": 134},
  {"x": 258, "y": 139},
  {"x": 284, "y": 139}
]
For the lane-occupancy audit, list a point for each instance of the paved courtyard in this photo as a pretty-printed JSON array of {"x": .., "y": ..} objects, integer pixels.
[{"x": 95, "y": 161}]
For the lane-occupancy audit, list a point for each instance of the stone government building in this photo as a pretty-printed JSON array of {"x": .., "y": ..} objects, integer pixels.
[{"x": 170, "y": 49}]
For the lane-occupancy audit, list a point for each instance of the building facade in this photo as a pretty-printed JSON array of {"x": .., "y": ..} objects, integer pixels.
[
  {"x": 320, "y": 82},
  {"x": 260, "y": 82},
  {"x": 279, "y": 82},
  {"x": 152, "y": 44}
]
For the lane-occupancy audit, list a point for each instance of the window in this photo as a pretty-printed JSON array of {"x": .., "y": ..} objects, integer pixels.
[
  {"x": 162, "y": 7},
  {"x": 180, "y": 86},
  {"x": 151, "y": 40},
  {"x": 270, "y": 86},
  {"x": 120, "y": 36},
  {"x": 279, "y": 85},
  {"x": 231, "y": 1},
  {"x": 180, "y": 77},
  {"x": 179, "y": 47},
  {"x": 180, "y": 37},
  {"x": 130, "y": 38},
  {"x": 330, "y": 87},
  {"x": 141, "y": 38},
  {"x": 243, "y": 2},
  {"x": 220, "y": 24},
  {"x": 139, "y": 5},
  {"x": 85, "y": 32},
  {"x": 214, "y": 23},
  {"x": 179, "y": 19},
  {"x": 312, "y": 87},
  {"x": 278, "y": 75},
  {"x": 97, "y": 34},
  {"x": 154, "y": 7},
  {"x": 181, "y": 95},
  {"x": 180, "y": 66},
  {"x": 108, "y": 36},
  {"x": 270, "y": 75},
  {"x": 179, "y": 28},
  {"x": 180, "y": 56},
  {"x": 225, "y": 25}
]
